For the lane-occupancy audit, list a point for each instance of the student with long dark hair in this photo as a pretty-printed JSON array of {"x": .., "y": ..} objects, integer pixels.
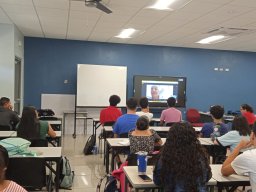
[
  {"x": 7, "y": 185},
  {"x": 31, "y": 128},
  {"x": 183, "y": 164}
]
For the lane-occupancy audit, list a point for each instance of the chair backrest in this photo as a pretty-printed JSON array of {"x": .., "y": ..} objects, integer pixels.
[
  {"x": 193, "y": 115},
  {"x": 29, "y": 172},
  {"x": 5, "y": 128},
  {"x": 39, "y": 143},
  {"x": 123, "y": 135},
  {"x": 110, "y": 123},
  {"x": 169, "y": 124},
  {"x": 152, "y": 159}
]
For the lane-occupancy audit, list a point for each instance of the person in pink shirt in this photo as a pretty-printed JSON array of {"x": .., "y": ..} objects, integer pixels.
[
  {"x": 7, "y": 185},
  {"x": 170, "y": 115}
]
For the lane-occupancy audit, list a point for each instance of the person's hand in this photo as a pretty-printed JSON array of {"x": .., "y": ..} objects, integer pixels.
[{"x": 244, "y": 144}]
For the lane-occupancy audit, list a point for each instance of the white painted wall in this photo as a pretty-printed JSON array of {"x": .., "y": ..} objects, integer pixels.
[
  {"x": 19, "y": 52},
  {"x": 9, "y": 37}
]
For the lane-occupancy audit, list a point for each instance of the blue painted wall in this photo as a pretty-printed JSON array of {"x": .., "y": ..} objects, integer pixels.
[{"x": 48, "y": 62}]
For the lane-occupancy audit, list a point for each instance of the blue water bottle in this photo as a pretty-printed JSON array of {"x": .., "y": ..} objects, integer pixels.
[
  {"x": 95, "y": 150},
  {"x": 142, "y": 162}
]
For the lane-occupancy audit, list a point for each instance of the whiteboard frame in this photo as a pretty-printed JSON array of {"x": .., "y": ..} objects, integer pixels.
[{"x": 109, "y": 75}]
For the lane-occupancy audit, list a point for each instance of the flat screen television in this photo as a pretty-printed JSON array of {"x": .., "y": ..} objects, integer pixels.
[{"x": 159, "y": 88}]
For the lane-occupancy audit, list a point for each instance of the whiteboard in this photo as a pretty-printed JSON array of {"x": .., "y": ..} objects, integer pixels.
[
  {"x": 96, "y": 83},
  {"x": 58, "y": 102}
]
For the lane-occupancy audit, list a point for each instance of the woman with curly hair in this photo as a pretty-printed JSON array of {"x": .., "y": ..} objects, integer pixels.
[{"x": 183, "y": 164}]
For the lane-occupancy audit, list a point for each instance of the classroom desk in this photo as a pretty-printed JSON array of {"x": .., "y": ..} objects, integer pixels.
[
  {"x": 117, "y": 144},
  {"x": 49, "y": 154},
  {"x": 232, "y": 181},
  {"x": 131, "y": 176},
  {"x": 156, "y": 128},
  {"x": 83, "y": 116},
  {"x": 6, "y": 134}
]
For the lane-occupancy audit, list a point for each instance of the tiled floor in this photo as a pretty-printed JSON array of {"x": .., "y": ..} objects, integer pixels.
[{"x": 88, "y": 169}]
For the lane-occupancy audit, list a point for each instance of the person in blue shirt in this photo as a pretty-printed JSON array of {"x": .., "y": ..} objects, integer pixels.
[
  {"x": 183, "y": 164},
  {"x": 217, "y": 113},
  {"x": 240, "y": 130},
  {"x": 126, "y": 122}
]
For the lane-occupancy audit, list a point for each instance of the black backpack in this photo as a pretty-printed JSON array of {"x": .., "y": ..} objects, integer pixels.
[
  {"x": 91, "y": 141},
  {"x": 45, "y": 112},
  {"x": 110, "y": 185}
]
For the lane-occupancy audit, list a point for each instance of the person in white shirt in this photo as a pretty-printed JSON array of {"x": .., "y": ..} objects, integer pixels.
[
  {"x": 244, "y": 163},
  {"x": 144, "y": 109}
]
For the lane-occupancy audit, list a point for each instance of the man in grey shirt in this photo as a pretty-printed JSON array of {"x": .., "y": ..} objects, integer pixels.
[{"x": 8, "y": 117}]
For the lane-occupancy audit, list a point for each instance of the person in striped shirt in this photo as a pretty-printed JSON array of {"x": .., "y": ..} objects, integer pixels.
[{"x": 7, "y": 185}]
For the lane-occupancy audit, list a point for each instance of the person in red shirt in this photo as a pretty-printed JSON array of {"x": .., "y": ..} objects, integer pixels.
[
  {"x": 111, "y": 113},
  {"x": 247, "y": 112}
]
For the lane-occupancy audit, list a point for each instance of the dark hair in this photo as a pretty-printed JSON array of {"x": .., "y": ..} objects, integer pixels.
[
  {"x": 240, "y": 124},
  {"x": 114, "y": 100},
  {"x": 144, "y": 102},
  {"x": 142, "y": 123},
  {"x": 131, "y": 103},
  {"x": 29, "y": 126},
  {"x": 247, "y": 108},
  {"x": 4, "y": 157},
  {"x": 217, "y": 111},
  {"x": 4, "y": 100},
  {"x": 184, "y": 158},
  {"x": 171, "y": 101},
  {"x": 254, "y": 128}
]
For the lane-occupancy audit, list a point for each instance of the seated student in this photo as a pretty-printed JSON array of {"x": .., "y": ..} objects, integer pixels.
[
  {"x": 170, "y": 115},
  {"x": 111, "y": 113},
  {"x": 144, "y": 109},
  {"x": 31, "y": 128},
  {"x": 183, "y": 163},
  {"x": 8, "y": 117},
  {"x": 217, "y": 113},
  {"x": 240, "y": 130},
  {"x": 126, "y": 122},
  {"x": 240, "y": 164},
  {"x": 247, "y": 112},
  {"x": 7, "y": 185},
  {"x": 142, "y": 138}
]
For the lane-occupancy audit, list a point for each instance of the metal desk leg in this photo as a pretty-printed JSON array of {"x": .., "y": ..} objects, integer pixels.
[
  {"x": 107, "y": 159},
  {"x": 125, "y": 184},
  {"x": 63, "y": 123}
]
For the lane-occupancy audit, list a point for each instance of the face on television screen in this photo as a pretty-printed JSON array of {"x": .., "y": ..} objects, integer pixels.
[{"x": 159, "y": 91}]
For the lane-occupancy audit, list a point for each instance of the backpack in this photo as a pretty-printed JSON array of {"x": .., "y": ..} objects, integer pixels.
[
  {"x": 110, "y": 185},
  {"x": 66, "y": 174},
  {"x": 45, "y": 112},
  {"x": 91, "y": 141}
]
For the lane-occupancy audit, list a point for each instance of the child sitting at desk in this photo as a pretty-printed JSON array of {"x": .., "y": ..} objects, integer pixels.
[
  {"x": 31, "y": 128},
  {"x": 7, "y": 185}
]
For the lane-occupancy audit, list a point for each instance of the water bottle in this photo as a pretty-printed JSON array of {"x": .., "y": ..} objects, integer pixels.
[
  {"x": 216, "y": 132},
  {"x": 95, "y": 150},
  {"x": 142, "y": 162}
]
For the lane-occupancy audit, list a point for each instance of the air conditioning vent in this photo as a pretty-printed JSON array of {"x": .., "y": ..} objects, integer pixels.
[{"x": 230, "y": 31}]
